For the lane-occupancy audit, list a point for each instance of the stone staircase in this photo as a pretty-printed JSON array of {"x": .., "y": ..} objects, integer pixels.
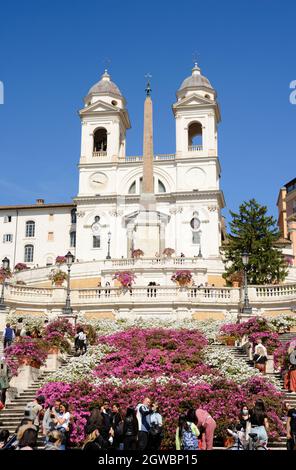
[
  {"x": 13, "y": 413},
  {"x": 289, "y": 397}
]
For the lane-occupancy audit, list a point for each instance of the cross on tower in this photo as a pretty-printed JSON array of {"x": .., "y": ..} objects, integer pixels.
[{"x": 148, "y": 87}]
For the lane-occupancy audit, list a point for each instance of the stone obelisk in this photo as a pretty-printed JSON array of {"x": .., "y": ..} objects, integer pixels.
[
  {"x": 147, "y": 223},
  {"x": 148, "y": 200}
]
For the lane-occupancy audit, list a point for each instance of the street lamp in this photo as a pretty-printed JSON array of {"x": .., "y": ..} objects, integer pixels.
[
  {"x": 246, "y": 307},
  {"x": 109, "y": 240},
  {"x": 5, "y": 267},
  {"x": 67, "y": 310}
]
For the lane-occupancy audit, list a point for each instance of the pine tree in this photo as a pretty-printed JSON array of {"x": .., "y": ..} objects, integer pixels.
[{"x": 252, "y": 230}]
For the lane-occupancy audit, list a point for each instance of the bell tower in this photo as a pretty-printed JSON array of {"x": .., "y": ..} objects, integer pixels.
[
  {"x": 104, "y": 121},
  {"x": 197, "y": 115}
]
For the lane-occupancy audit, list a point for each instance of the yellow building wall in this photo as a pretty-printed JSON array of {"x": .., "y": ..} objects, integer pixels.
[
  {"x": 217, "y": 280},
  {"x": 208, "y": 316},
  {"x": 106, "y": 315}
]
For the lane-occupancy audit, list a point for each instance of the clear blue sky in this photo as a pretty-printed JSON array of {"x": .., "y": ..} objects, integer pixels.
[{"x": 53, "y": 51}]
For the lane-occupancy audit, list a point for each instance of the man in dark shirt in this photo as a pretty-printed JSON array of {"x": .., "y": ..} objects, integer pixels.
[{"x": 291, "y": 429}]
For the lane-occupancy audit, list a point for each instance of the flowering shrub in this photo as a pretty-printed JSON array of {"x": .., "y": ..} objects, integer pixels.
[
  {"x": 137, "y": 253},
  {"x": 126, "y": 278},
  {"x": 270, "y": 340},
  {"x": 168, "y": 251},
  {"x": 182, "y": 276},
  {"x": 283, "y": 323},
  {"x": 27, "y": 350},
  {"x": 151, "y": 352},
  {"x": 20, "y": 267},
  {"x": 31, "y": 321},
  {"x": 60, "y": 260},
  {"x": 281, "y": 355},
  {"x": 62, "y": 326},
  {"x": 55, "y": 338},
  {"x": 254, "y": 325},
  {"x": 57, "y": 276}
]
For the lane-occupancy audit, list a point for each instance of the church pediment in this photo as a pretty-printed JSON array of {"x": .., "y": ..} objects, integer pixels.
[
  {"x": 99, "y": 106},
  {"x": 193, "y": 100}
]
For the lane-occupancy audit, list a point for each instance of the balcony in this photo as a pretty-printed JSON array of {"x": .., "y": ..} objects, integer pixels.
[
  {"x": 101, "y": 153},
  {"x": 139, "y": 158},
  {"x": 195, "y": 148}
]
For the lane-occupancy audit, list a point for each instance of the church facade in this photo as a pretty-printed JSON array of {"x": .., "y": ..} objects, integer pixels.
[{"x": 103, "y": 219}]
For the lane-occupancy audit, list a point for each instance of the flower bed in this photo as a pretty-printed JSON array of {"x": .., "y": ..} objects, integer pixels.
[{"x": 174, "y": 368}]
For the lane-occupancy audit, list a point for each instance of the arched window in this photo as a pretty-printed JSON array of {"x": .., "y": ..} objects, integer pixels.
[
  {"x": 96, "y": 241},
  {"x": 132, "y": 188},
  {"x": 97, "y": 219},
  {"x": 100, "y": 140},
  {"x": 49, "y": 261},
  {"x": 73, "y": 238},
  {"x": 194, "y": 136},
  {"x": 30, "y": 228},
  {"x": 73, "y": 216},
  {"x": 29, "y": 254},
  {"x": 161, "y": 187}
]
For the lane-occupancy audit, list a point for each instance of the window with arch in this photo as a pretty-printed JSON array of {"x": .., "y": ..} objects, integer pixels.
[
  {"x": 137, "y": 186},
  {"x": 73, "y": 238},
  {"x": 132, "y": 188},
  {"x": 97, "y": 219},
  {"x": 96, "y": 241},
  {"x": 49, "y": 261},
  {"x": 73, "y": 216},
  {"x": 100, "y": 140},
  {"x": 30, "y": 228},
  {"x": 29, "y": 254},
  {"x": 194, "y": 135}
]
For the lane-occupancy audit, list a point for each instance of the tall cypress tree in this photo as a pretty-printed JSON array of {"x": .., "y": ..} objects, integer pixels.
[{"x": 256, "y": 232}]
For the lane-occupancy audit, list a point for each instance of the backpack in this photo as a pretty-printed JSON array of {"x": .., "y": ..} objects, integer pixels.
[{"x": 189, "y": 440}]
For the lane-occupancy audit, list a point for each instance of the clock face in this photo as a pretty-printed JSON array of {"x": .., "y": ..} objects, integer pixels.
[
  {"x": 195, "y": 223},
  {"x": 98, "y": 180}
]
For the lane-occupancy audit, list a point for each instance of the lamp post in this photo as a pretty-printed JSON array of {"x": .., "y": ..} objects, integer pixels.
[
  {"x": 5, "y": 267},
  {"x": 109, "y": 241},
  {"x": 246, "y": 307},
  {"x": 67, "y": 310}
]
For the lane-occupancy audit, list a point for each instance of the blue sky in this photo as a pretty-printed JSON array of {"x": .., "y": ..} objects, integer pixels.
[{"x": 51, "y": 52}]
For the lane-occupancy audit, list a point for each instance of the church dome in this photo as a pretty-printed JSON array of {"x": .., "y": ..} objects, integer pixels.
[
  {"x": 195, "y": 81},
  {"x": 105, "y": 86}
]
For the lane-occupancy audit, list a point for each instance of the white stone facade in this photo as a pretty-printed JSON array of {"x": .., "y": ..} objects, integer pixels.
[{"x": 187, "y": 186}]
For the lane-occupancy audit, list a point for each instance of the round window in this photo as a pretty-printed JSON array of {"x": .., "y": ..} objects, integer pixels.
[
  {"x": 114, "y": 102},
  {"x": 195, "y": 223}
]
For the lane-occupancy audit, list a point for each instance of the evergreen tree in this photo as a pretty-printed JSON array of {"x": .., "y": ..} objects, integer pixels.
[{"x": 252, "y": 230}]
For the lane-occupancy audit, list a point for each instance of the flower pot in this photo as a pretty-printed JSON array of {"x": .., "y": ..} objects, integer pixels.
[
  {"x": 235, "y": 283},
  {"x": 29, "y": 362},
  {"x": 230, "y": 341},
  {"x": 183, "y": 282},
  {"x": 53, "y": 350}
]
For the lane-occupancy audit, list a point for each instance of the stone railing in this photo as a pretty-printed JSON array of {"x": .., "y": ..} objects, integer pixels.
[
  {"x": 174, "y": 261},
  {"x": 101, "y": 153},
  {"x": 273, "y": 293},
  {"x": 25, "y": 295},
  {"x": 139, "y": 158},
  {"x": 195, "y": 148}
]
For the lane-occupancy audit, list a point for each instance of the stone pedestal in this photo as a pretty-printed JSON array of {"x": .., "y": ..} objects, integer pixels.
[
  {"x": 26, "y": 376},
  {"x": 147, "y": 233},
  {"x": 52, "y": 363},
  {"x": 269, "y": 369}
]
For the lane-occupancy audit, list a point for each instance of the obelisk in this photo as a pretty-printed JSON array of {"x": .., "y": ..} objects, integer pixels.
[
  {"x": 148, "y": 200},
  {"x": 147, "y": 224}
]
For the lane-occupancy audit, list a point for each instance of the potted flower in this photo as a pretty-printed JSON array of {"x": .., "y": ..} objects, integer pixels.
[
  {"x": 60, "y": 260},
  {"x": 183, "y": 277},
  {"x": 137, "y": 253},
  {"x": 27, "y": 351},
  {"x": 20, "y": 267},
  {"x": 57, "y": 277},
  {"x": 168, "y": 252},
  {"x": 5, "y": 274},
  {"x": 236, "y": 279},
  {"x": 126, "y": 278}
]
